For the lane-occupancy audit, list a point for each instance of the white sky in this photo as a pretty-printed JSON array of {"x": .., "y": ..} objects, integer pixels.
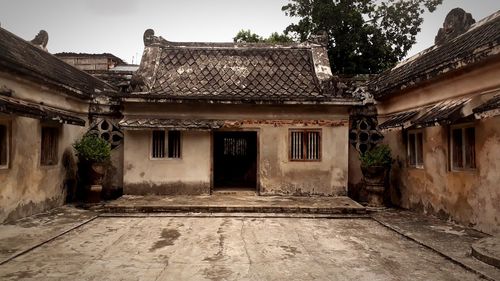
[{"x": 117, "y": 26}]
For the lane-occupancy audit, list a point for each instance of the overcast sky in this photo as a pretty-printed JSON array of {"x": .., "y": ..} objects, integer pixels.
[{"x": 117, "y": 26}]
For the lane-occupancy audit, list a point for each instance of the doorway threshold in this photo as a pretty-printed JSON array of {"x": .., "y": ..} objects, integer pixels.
[{"x": 243, "y": 191}]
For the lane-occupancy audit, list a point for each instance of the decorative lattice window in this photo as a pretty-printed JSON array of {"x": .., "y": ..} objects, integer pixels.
[
  {"x": 415, "y": 149},
  {"x": 463, "y": 147},
  {"x": 4, "y": 146},
  {"x": 49, "y": 148},
  {"x": 305, "y": 145},
  {"x": 165, "y": 144}
]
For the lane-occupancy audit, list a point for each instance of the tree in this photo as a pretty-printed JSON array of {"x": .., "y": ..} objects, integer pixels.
[
  {"x": 365, "y": 36},
  {"x": 247, "y": 36}
]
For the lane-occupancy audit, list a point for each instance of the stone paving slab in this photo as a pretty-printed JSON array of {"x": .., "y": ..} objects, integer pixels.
[
  {"x": 233, "y": 203},
  {"x": 450, "y": 240},
  {"x": 24, "y": 234},
  {"x": 193, "y": 248}
]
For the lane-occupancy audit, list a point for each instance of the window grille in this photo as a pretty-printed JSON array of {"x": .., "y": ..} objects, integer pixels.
[
  {"x": 158, "y": 147},
  {"x": 463, "y": 151},
  {"x": 415, "y": 149},
  {"x": 235, "y": 146},
  {"x": 166, "y": 144},
  {"x": 49, "y": 153},
  {"x": 305, "y": 145},
  {"x": 174, "y": 144}
]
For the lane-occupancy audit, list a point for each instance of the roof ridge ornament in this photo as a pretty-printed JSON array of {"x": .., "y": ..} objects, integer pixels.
[
  {"x": 41, "y": 40},
  {"x": 149, "y": 37},
  {"x": 456, "y": 23},
  {"x": 320, "y": 38}
]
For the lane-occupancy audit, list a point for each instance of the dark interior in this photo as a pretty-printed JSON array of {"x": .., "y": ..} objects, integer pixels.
[{"x": 235, "y": 160}]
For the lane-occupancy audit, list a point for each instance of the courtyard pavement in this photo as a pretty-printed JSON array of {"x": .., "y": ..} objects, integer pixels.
[{"x": 69, "y": 243}]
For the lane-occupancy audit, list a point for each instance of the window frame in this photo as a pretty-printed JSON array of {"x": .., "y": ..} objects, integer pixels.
[
  {"x": 166, "y": 146},
  {"x": 58, "y": 136},
  {"x": 8, "y": 144},
  {"x": 320, "y": 145},
  {"x": 417, "y": 165},
  {"x": 462, "y": 127}
]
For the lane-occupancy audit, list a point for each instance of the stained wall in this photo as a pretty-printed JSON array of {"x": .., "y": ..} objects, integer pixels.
[
  {"x": 276, "y": 174},
  {"x": 469, "y": 197},
  {"x": 26, "y": 186}
]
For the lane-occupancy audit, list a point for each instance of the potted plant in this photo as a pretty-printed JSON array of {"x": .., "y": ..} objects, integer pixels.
[
  {"x": 93, "y": 158},
  {"x": 375, "y": 164}
]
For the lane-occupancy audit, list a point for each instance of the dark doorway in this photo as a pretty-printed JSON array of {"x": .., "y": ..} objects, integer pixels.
[{"x": 235, "y": 160}]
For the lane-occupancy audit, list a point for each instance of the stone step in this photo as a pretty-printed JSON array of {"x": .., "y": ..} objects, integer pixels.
[
  {"x": 232, "y": 204},
  {"x": 229, "y": 209},
  {"x": 487, "y": 250}
]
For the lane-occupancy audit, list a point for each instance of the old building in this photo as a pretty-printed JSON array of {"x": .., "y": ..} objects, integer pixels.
[
  {"x": 91, "y": 62},
  {"x": 440, "y": 114},
  {"x": 44, "y": 107},
  {"x": 209, "y": 116}
]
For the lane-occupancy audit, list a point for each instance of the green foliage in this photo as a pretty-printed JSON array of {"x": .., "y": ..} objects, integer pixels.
[
  {"x": 378, "y": 156},
  {"x": 275, "y": 37},
  {"x": 247, "y": 36},
  {"x": 366, "y": 36},
  {"x": 92, "y": 148}
]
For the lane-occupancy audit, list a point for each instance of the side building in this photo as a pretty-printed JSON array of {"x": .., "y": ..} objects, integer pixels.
[
  {"x": 440, "y": 113},
  {"x": 44, "y": 108},
  {"x": 210, "y": 116}
]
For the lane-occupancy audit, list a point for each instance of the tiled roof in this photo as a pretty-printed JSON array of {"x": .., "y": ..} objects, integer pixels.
[
  {"x": 398, "y": 120},
  {"x": 491, "y": 104},
  {"x": 23, "y": 58},
  {"x": 445, "y": 112},
  {"x": 234, "y": 71},
  {"x": 32, "y": 110},
  {"x": 174, "y": 124},
  {"x": 481, "y": 41}
]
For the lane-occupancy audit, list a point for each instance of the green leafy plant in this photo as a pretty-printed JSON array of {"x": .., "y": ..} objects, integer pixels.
[
  {"x": 92, "y": 148},
  {"x": 378, "y": 156}
]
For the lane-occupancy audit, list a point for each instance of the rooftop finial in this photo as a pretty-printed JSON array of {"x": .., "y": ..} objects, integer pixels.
[
  {"x": 320, "y": 38},
  {"x": 149, "y": 37},
  {"x": 41, "y": 40},
  {"x": 456, "y": 23}
]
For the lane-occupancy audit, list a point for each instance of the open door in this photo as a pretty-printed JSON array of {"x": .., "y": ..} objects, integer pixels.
[{"x": 235, "y": 160}]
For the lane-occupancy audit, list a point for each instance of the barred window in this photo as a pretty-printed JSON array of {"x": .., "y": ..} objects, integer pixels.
[
  {"x": 4, "y": 146},
  {"x": 415, "y": 149},
  {"x": 174, "y": 144},
  {"x": 305, "y": 145},
  {"x": 166, "y": 144},
  {"x": 49, "y": 149},
  {"x": 463, "y": 148}
]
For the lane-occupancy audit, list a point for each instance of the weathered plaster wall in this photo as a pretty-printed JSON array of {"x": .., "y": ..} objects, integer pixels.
[
  {"x": 354, "y": 183},
  {"x": 469, "y": 197},
  {"x": 31, "y": 92},
  {"x": 278, "y": 175},
  {"x": 26, "y": 187},
  {"x": 188, "y": 175}
]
